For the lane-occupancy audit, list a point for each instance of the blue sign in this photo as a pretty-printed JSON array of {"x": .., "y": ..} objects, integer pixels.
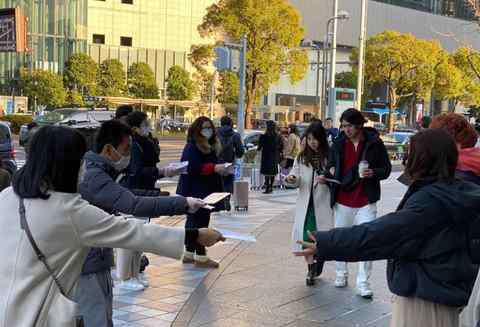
[
  {"x": 223, "y": 61},
  {"x": 10, "y": 107}
]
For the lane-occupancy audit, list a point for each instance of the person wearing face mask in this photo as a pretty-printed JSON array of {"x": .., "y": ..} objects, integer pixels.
[
  {"x": 204, "y": 176},
  {"x": 98, "y": 186},
  {"x": 140, "y": 177}
]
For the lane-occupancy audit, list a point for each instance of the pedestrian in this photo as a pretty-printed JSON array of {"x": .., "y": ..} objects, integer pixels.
[
  {"x": 140, "y": 177},
  {"x": 98, "y": 186},
  {"x": 313, "y": 211},
  {"x": 204, "y": 176},
  {"x": 122, "y": 113},
  {"x": 293, "y": 146},
  {"x": 360, "y": 161},
  {"x": 271, "y": 146},
  {"x": 426, "y": 241},
  {"x": 332, "y": 132},
  {"x": 48, "y": 231},
  {"x": 232, "y": 149},
  {"x": 468, "y": 169}
]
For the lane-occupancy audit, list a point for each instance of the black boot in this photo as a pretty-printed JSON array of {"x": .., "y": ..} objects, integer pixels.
[
  {"x": 268, "y": 185},
  {"x": 318, "y": 267},
  {"x": 310, "y": 281}
]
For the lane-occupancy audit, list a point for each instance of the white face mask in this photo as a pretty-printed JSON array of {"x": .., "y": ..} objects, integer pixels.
[
  {"x": 122, "y": 163},
  {"x": 207, "y": 133}
]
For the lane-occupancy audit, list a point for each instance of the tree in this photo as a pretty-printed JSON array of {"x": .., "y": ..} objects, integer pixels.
[
  {"x": 81, "y": 74},
  {"x": 141, "y": 81},
  {"x": 201, "y": 56},
  {"x": 111, "y": 78},
  {"x": 450, "y": 83},
  {"x": 44, "y": 86},
  {"x": 406, "y": 65},
  {"x": 179, "y": 84},
  {"x": 74, "y": 99},
  {"x": 228, "y": 88},
  {"x": 273, "y": 30},
  {"x": 468, "y": 63},
  {"x": 347, "y": 80}
]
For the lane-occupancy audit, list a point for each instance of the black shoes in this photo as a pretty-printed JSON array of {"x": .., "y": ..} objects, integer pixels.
[{"x": 314, "y": 270}]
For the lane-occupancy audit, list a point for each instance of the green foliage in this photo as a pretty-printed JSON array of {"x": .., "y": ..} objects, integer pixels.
[
  {"x": 141, "y": 81},
  {"x": 229, "y": 87},
  {"x": 111, "y": 78},
  {"x": 81, "y": 74},
  {"x": 201, "y": 55},
  {"x": 45, "y": 86},
  {"x": 180, "y": 86},
  {"x": 347, "y": 80},
  {"x": 74, "y": 99},
  {"x": 467, "y": 62},
  {"x": 16, "y": 121},
  {"x": 273, "y": 29}
]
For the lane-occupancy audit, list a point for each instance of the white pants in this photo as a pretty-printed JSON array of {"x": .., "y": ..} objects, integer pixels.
[
  {"x": 128, "y": 261},
  {"x": 347, "y": 217}
]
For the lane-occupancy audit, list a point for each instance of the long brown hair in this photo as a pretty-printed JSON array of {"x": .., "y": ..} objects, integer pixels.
[
  {"x": 195, "y": 136},
  {"x": 433, "y": 155},
  {"x": 317, "y": 130}
]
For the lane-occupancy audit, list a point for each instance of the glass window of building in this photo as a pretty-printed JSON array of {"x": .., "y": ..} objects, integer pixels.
[
  {"x": 129, "y": 2},
  {"x": 98, "y": 38},
  {"x": 125, "y": 41},
  {"x": 464, "y": 9}
]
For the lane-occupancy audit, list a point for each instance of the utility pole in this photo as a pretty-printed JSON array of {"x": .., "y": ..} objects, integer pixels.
[
  {"x": 241, "y": 93},
  {"x": 317, "y": 85},
  {"x": 333, "y": 58},
  {"x": 212, "y": 94},
  {"x": 361, "y": 53}
]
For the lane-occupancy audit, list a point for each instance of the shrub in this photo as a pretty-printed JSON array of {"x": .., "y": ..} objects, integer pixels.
[{"x": 16, "y": 121}]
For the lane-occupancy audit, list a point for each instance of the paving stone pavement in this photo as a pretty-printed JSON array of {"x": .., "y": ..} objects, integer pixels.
[{"x": 258, "y": 284}]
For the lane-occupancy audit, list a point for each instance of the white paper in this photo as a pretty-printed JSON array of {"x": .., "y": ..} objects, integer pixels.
[
  {"x": 178, "y": 166},
  {"x": 208, "y": 207},
  {"x": 215, "y": 197},
  {"x": 237, "y": 236}
]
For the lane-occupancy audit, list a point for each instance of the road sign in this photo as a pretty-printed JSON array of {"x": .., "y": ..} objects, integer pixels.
[
  {"x": 223, "y": 61},
  {"x": 13, "y": 30}
]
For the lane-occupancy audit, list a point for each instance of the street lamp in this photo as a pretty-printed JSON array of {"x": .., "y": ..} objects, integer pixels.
[{"x": 342, "y": 15}]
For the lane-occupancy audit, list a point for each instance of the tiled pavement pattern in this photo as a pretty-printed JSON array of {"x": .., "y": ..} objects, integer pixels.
[{"x": 258, "y": 284}]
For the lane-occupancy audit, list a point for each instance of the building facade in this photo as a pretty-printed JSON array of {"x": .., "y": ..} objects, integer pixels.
[
  {"x": 56, "y": 29},
  {"x": 157, "y": 32},
  {"x": 425, "y": 19}
]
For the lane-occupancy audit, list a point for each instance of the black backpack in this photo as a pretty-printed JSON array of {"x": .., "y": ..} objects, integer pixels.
[{"x": 228, "y": 149}]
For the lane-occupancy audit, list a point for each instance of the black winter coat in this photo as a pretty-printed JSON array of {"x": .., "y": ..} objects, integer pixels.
[
  {"x": 425, "y": 242},
  {"x": 271, "y": 146},
  {"x": 374, "y": 152},
  {"x": 142, "y": 173}
]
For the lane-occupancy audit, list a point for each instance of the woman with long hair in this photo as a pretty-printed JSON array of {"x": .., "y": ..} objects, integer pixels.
[
  {"x": 426, "y": 241},
  {"x": 271, "y": 146},
  {"x": 313, "y": 210},
  {"x": 204, "y": 176},
  {"x": 48, "y": 230}
]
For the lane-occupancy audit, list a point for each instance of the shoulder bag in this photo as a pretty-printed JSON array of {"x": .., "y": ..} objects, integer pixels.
[{"x": 58, "y": 309}]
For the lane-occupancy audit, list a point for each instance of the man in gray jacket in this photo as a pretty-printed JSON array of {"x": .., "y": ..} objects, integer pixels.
[{"x": 99, "y": 187}]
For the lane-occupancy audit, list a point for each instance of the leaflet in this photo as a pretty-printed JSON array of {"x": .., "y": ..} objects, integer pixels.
[
  {"x": 215, "y": 197},
  {"x": 237, "y": 236},
  {"x": 179, "y": 166}
]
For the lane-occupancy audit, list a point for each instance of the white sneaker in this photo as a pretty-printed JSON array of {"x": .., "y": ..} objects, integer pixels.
[
  {"x": 142, "y": 279},
  {"x": 341, "y": 281},
  {"x": 131, "y": 284},
  {"x": 364, "y": 291}
]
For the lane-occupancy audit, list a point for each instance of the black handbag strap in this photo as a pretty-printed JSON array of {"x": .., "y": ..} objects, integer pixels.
[{"x": 40, "y": 255}]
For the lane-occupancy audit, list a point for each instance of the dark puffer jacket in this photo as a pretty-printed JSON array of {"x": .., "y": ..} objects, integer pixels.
[
  {"x": 425, "y": 242},
  {"x": 98, "y": 186},
  {"x": 374, "y": 152}
]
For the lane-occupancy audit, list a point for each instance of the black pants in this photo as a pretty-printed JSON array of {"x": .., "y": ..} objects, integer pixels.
[
  {"x": 269, "y": 181},
  {"x": 199, "y": 219}
]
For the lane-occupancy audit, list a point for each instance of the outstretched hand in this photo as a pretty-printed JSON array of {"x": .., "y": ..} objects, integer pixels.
[{"x": 309, "y": 248}]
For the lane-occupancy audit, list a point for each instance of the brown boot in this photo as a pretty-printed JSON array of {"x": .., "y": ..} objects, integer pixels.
[{"x": 201, "y": 262}]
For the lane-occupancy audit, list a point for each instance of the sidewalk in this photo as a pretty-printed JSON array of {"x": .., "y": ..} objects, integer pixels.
[{"x": 258, "y": 284}]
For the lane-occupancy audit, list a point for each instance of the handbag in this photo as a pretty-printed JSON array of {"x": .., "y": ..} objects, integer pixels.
[{"x": 58, "y": 310}]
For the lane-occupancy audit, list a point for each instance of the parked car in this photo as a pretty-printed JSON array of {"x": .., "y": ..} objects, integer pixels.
[
  {"x": 7, "y": 150},
  {"x": 82, "y": 119},
  {"x": 251, "y": 138}
]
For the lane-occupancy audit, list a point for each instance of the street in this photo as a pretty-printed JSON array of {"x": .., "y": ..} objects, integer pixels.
[{"x": 258, "y": 284}]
